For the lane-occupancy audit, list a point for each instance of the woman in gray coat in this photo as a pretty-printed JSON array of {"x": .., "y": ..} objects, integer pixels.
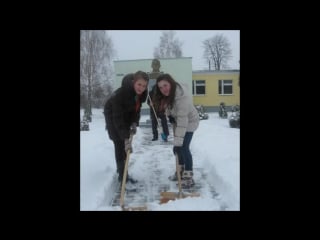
[{"x": 178, "y": 103}]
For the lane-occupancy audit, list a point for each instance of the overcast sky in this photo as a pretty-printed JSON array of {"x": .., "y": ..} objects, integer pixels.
[{"x": 136, "y": 44}]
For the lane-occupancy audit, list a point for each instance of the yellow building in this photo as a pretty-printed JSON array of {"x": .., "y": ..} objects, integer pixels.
[{"x": 210, "y": 88}]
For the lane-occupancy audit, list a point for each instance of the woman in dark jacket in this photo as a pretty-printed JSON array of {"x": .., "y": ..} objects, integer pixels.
[{"x": 122, "y": 114}]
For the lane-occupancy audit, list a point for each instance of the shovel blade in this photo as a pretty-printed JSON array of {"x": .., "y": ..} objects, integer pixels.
[
  {"x": 167, "y": 196},
  {"x": 141, "y": 208}
]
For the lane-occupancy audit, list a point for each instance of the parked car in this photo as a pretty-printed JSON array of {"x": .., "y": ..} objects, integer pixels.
[
  {"x": 201, "y": 112},
  {"x": 234, "y": 119},
  {"x": 84, "y": 126},
  {"x": 222, "y": 110}
]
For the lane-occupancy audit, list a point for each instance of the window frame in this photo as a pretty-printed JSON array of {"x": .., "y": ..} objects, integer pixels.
[
  {"x": 223, "y": 84},
  {"x": 195, "y": 85}
]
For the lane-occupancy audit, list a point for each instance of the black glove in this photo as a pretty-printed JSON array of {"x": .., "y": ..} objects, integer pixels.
[
  {"x": 171, "y": 119},
  {"x": 133, "y": 128},
  {"x": 177, "y": 150}
]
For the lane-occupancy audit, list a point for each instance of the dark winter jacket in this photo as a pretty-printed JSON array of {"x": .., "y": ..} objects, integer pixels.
[{"x": 121, "y": 109}]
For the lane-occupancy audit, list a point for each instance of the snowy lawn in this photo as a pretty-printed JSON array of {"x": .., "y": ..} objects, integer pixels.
[{"x": 215, "y": 148}]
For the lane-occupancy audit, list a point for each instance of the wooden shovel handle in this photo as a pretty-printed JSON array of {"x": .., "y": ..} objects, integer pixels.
[
  {"x": 124, "y": 178},
  {"x": 178, "y": 174}
]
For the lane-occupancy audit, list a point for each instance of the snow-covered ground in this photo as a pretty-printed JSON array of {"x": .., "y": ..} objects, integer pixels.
[{"x": 215, "y": 148}]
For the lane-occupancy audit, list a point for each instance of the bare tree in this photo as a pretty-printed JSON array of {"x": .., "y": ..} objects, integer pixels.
[
  {"x": 169, "y": 47},
  {"x": 96, "y": 51},
  {"x": 217, "y": 52}
]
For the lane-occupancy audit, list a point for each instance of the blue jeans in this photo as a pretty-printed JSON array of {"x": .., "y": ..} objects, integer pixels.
[{"x": 185, "y": 157}]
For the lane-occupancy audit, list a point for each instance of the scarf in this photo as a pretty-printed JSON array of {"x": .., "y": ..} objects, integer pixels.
[{"x": 137, "y": 99}]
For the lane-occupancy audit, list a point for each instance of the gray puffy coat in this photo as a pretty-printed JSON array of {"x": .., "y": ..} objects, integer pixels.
[{"x": 185, "y": 114}]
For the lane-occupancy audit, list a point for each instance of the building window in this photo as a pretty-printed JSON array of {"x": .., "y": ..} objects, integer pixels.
[
  {"x": 225, "y": 87},
  {"x": 198, "y": 87}
]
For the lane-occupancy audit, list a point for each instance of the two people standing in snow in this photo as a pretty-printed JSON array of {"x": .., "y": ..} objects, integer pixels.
[
  {"x": 185, "y": 119},
  {"x": 122, "y": 115}
]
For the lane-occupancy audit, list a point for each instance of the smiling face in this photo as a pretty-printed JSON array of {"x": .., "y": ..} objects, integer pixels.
[
  {"x": 164, "y": 87},
  {"x": 140, "y": 86}
]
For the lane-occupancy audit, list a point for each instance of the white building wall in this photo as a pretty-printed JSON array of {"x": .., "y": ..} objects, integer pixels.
[{"x": 179, "y": 68}]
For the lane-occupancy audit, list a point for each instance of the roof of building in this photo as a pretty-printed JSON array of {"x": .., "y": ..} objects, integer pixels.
[
  {"x": 216, "y": 71},
  {"x": 150, "y": 59}
]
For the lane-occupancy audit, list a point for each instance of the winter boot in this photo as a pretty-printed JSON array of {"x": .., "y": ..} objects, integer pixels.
[
  {"x": 174, "y": 177},
  {"x": 128, "y": 180},
  {"x": 130, "y": 183},
  {"x": 187, "y": 179},
  {"x": 131, "y": 180}
]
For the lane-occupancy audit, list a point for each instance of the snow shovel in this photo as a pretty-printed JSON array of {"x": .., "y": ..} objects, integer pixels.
[
  {"x": 123, "y": 185},
  {"x": 163, "y": 136},
  {"x": 167, "y": 196}
]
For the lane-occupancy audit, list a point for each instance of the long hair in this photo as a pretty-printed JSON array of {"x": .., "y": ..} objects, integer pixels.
[
  {"x": 142, "y": 75},
  {"x": 127, "y": 80},
  {"x": 158, "y": 97}
]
